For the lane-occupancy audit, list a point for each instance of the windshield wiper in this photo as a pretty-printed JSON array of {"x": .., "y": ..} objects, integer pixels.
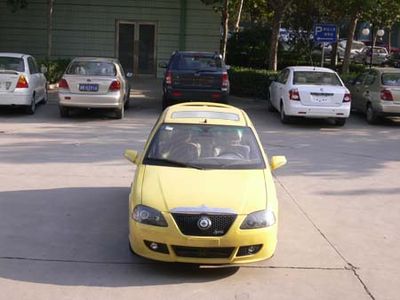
[{"x": 169, "y": 162}]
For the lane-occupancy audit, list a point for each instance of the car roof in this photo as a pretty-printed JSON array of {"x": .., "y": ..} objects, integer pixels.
[
  {"x": 198, "y": 53},
  {"x": 99, "y": 59},
  {"x": 11, "y": 54},
  {"x": 310, "y": 68},
  {"x": 205, "y": 113},
  {"x": 387, "y": 70}
]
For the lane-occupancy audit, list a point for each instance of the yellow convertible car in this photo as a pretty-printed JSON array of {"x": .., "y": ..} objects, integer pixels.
[{"x": 203, "y": 190}]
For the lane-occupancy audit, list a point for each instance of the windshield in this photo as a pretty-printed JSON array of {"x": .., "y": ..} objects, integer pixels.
[
  {"x": 197, "y": 62},
  {"x": 205, "y": 147},
  {"x": 392, "y": 79},
  {"x": 91, "y": 68},
  {"x": 316, "y": 78},
  {"x": 12, "y": 63}
]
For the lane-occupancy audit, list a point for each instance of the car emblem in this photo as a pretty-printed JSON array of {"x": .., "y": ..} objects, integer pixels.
[{"x": 204, "y": 223}]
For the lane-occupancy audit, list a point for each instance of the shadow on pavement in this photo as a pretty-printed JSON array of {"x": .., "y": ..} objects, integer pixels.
[{"x": 78, "y": 236}]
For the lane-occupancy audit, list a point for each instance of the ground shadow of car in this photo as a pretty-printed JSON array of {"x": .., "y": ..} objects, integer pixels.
[{"x": 79, "y": 236}]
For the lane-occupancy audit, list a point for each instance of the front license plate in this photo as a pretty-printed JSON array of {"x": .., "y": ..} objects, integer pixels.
[{"x": 84, "y": 87}]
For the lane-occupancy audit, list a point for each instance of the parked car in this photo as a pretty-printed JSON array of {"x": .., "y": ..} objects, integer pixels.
[
  {"x": 309, "y": 92},
  {"x": 377, "y": 93},
  {"x": 356, "y": 47},
  {"x": 379, "y": 57},
  {"x": 203, "y": 190},
  {"x": 393, "y": 60},
  {"x": 195, "y": 76},
  {"x": 22, "y": 83},
  {"x": 91, "y": 82}
]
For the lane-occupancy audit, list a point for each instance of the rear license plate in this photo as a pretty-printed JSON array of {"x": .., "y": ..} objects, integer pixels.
[
  {"x": 320, "y": 99},
  {"x": 88, "y": 87},
  {"x": 5, "y": 85}
]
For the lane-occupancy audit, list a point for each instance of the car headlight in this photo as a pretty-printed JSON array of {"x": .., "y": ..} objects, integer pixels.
[
  {"x": 147, "y": 215},
  {"x": 259, "y": 219}
]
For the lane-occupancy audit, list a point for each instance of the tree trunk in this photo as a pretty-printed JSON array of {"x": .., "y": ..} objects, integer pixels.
[
  {"x": 276, "y": 26},
  {"x": 389, "y": 32},
  {"x": 239, "y": 16},
  {"x": 225, "y": 20},
  {"x": 350, "y": 36},
  {"x": 49, "y": 28}
]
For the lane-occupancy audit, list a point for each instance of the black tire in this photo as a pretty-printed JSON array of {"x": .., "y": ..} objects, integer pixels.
[
  {"x": 46, "y": 97},
  {"x": 128, "y": 96},
  {"x": 284, "y": 118},
  {"x": 270, "y": 107},
  {"x": 30, "y": 109},
  {"x": 340, "y": 121},
  {"x": 165, "y": 102},
  {"x": 64, "y": 112},
  {"x": 371, "y": 115},
  {"x": 120, "y": 112}
]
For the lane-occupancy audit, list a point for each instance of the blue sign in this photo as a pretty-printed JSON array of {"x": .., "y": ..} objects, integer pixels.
[{"x": 326, "y": 33}]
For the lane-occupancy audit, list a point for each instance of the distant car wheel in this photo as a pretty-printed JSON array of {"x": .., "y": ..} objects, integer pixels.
[
  {"x": 120, "y": 112},
  {"x": 45, "y": 97},
  {"x": 340, "y": 121},
  {"x": 165, "y": 102},
  {"x": 284, "y": 118},
  {"x": 30, "y": 109},
  {"x": 270, "y": 107},
  {"x": 371, "y": 116},
  {"x": 128, "y": 96},
  {"x": 64, "y": 112}
]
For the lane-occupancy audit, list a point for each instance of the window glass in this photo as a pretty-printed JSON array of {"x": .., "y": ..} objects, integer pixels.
[
  {"x": 392, "y": 79},
  {"x": 205, "y": 115},
  {"x": 369, "y": 79},
  {"x": 205, "y": 146},
  {"x": 360, "y": 79},
  {"x": 32, "y": 66},
  {"x": 197, "y": 62},
  {"x": 92, "y": 68},
  {"x": 283, "y": 76},
  {"x": 12, "y": 64},
  {"x": 316, "y": 78}
]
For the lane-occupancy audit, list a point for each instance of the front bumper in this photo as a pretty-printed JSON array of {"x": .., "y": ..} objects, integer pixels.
[
  {"x": 172, "y": 237},
  {"x": 109, "y": 100},
  {"x": 300, "y": 110}
]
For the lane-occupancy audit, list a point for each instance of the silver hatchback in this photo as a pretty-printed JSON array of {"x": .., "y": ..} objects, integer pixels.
[{"x": 90, "y": 82}]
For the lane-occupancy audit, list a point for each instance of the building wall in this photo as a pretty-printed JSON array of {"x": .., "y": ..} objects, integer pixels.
[{"x": 88, "y": 28}]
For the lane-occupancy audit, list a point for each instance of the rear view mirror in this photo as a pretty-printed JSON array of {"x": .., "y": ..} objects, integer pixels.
[
  {"x": 277, "y": 162},
  {"x": 131, "y": 155},
  {"x": 162, "y": 64},
  {"x": 43, "y": 69}
]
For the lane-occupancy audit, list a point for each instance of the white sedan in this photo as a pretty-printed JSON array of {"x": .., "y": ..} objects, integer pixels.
[
  {"x": 22, "y": 83},
  {"x": 309, "y": 92}
]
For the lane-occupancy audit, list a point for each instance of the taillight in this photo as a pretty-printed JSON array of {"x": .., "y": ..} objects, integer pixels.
[
  {"x": 347, "y": 97},
  {"x": 63, "y": 84},
  {"x": 294, "y": 95},
  {"x": 168, "y": 78},
  {"x": 22, "y": 82},
  {"x": 115, "y": 85},
  {"x": 225, "y": 80},
  {"x": 386, "y": 95}
]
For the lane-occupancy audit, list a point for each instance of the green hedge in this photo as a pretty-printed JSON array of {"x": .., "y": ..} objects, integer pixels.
[
  {"x": 248, "y": 82},
  {"x": 55, "y": 69}
]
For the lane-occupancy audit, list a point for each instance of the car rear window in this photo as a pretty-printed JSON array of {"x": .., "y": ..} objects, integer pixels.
[
  {"x": 197, "y": 62},
  {"x": 92, "y": 68},
  {"x": 316, "y": 78},
  {"x": 205, "y": 115},
  {"x": 12, "y": 63},
  {"x": 392, "y": 79}
]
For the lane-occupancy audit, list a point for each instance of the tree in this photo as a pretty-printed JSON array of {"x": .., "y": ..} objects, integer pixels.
[{"x": 15, "y": 5}]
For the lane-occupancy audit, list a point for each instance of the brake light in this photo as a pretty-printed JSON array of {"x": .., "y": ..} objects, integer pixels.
[
  {"x": 176, "y": 94},
  {"x": 115, "y": 85},
  {"x": 386, "y": 95},
  {"x": 168, "y": 78},
  {"x": 294, "y": 95},
  {"x": 225, "y": 80},
  {"x": 347, "y": 97},
  {"x": 63, "y": 84},
  {"x": 22, "y": 82}
]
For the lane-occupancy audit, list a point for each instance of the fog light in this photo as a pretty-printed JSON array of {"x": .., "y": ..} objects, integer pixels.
[
  {"x": 157, "y": 247},
  {"x": 249, "y": 250}
]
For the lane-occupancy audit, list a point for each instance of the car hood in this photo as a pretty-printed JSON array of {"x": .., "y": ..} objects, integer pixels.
[{"x": 175, "y": 189}]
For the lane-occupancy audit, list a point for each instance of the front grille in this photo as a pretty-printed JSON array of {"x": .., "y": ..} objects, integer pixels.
[
  {"x": 220, "y": 224},
  {"x": 202, "y": 252}
]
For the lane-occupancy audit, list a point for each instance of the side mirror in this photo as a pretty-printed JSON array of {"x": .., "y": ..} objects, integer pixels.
[
  {"x": 228, "y": 67},
  {"x": 129, "y": 75},
  {"x": 277, "y": 162},
  {"x": 163, "y": 65},
  {"x": 131, "y": 155},
  {"x": 43, "y": 69}
]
